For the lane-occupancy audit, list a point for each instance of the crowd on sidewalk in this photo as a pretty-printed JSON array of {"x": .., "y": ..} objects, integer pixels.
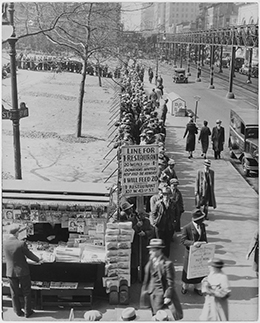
[{"x": 142, "y": 122}]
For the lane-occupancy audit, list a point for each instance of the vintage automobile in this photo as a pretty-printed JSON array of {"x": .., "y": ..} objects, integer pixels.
[
  {"x": 243, "y": 138},
  {"x": 180, "y": 76}
]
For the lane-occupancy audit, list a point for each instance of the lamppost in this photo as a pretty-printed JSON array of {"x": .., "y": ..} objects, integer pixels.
[
  {"x": 15, "y": 113},
  {"x": 157, "y": 56},
  {"x": 197, "y": 98}
]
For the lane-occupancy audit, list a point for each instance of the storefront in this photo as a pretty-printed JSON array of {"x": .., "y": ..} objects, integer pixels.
[{"x": 65, "y": 224}]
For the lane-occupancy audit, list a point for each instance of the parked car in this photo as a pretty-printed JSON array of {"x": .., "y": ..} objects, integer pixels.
[
  {"x": 243, "y": 138},
  {"x": 244, "y": 69},
  {"x": 180, "y": 76}
]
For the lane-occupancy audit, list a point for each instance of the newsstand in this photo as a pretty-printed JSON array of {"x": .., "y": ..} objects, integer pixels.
[{"x": 65, "y": 225}]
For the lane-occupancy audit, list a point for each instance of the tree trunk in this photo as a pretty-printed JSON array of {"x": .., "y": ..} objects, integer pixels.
[
  {"x": 81, "y": 97},
  {"x": 99, "y": 76}
]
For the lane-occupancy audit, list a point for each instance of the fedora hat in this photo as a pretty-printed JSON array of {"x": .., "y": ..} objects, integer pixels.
[
  {"x": 174, "y": 181},
  {"x": 216, "y": 262},
  {"x": 156, "y": 244},
  {"x": 160, "y": 315},
  {"x": 218, "y": 121},
  {"x": 197, "y": 215},
  {"x": 207, "y": 162},
  {"x": 126, "y": 206},
  {"x": 13, "y": 228},
  {"x": 93, "y": 315},
  {"x": 171, "y": 162},
  {"x": 166, "y": 190},
  {"x": 128, "y": 314}
]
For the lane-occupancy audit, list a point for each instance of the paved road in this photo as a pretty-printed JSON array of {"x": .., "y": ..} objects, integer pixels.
[{"x": 230, "y": 227}]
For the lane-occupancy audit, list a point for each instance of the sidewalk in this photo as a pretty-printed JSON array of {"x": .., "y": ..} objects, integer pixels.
[{"x": 230, "y": 227}]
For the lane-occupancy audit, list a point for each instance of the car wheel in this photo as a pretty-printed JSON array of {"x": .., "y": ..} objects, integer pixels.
[{"x": 244, "y": 165}]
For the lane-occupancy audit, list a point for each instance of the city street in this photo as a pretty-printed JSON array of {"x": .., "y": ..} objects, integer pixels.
[{"x": 231, "y": 224}]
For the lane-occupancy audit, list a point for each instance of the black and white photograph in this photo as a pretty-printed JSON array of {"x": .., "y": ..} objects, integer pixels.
[{"x": 130, "y": 153}]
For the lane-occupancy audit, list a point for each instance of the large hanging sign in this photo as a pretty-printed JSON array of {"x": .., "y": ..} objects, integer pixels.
[
  {"x": 198, "y": 260},
  {"x": 139, "y": 170}
]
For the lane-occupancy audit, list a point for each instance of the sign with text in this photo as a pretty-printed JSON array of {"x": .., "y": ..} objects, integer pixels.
[
  {"x": 139, "y": 170},
  {"x": 198, "y": 260}
]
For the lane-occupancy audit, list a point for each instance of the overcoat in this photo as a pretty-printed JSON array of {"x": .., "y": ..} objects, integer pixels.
[
  {"x": 189, "y": 235},
  {"x": 16, "y": 252},
  {"x": 204, "y": 138},
  {"x": 170, "y": 173},
  {"x": 218, "y": 138},
  {"x": 200, "y": 188},
  {"x": 166, "y": 274},
  {"x": 191, "y": 130}
]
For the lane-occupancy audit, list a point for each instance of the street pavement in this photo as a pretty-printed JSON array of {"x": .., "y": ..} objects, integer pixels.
[{"x": 230, "y": 226}]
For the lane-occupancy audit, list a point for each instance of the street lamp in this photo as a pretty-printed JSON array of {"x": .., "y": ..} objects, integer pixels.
[
  {"x": 14, "y": 114},
  {"x": 197, "y": 98},
  {"x": 157, "y": 58}
]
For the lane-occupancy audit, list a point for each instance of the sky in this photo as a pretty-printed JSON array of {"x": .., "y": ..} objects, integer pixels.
[{"x": 131, "y": 15}]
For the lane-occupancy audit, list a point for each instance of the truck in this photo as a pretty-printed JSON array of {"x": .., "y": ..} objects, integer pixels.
[{"x": 243, "y": 138}]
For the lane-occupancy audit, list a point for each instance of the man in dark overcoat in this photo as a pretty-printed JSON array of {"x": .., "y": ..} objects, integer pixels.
[
  {"x": 191, "y": 130},
  {"x": 163, "y": 218},
  {"x": 204, "y": 138},
  {"x": 204, "y": 188},
  {"x": 17, "y": 270},
  {"x": 178, "y": 200},
  {"x": 194, "y": 233},
  {"x": 158, "y": 289},
  {"x": 218, "y": 139}
]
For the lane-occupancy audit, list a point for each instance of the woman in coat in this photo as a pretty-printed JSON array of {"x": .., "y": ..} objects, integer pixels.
[
  {"x": 216, "y": 288},
  {"x": 191, "y": 130},
  {"x": 204, "y": 138}
]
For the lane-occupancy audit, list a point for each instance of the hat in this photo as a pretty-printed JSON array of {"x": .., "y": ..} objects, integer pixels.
[
  {"x": 128, "y": 314},
  {"x": 216, "y": 262},
  {"x": 156, "y": 244},
  {"x": 160, "y": 315},
  {"x": 164, "y": 177},
  {"x": 13, "y": 228},
  {"x": 171, "y": 162},
  {"x": 197, "y": 215},
  {"x": 126, "y": 206},
  {"x": 174, "y": 181},
  {"x": 93, "y": 315},
  {"x": 166, "y": 190},
  {"x": 190, "y": 115},
  {"x": 207, "y": 162},
  {"x": 218, "y": 121}
]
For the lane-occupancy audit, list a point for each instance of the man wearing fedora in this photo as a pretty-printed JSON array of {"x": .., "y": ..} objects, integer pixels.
[
  {"x": 170, "y": 171},
  {"x": 163, "y": 218},
  {"x": 194, "y": 233},
  {"x": 178, "y": 200},
  {"x": 17, "y": 270},
  {"x": 158, "y": 289},
  {"x": 218, "y": 139},
  {"x": 205, "y": 188}
]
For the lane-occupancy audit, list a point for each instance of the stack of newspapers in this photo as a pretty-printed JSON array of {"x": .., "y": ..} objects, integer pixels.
[{"x": 65, "y": 254}]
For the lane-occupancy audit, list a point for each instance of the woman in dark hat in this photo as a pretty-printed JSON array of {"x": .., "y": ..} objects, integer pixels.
[
  {"x": 217, "y": 290},
  {"x": 193, "y": 234},
  {"x": 191, "y": 130}
]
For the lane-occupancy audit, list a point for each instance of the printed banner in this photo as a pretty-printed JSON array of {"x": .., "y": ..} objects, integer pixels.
[
  {"x": 139, "y": 170},
  {"x": 198, "y": 260}
]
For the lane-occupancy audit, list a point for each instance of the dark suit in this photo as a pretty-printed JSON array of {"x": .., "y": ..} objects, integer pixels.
[
  {"x": 189, "y": 235},
  {"x": 218, "y": 139},
  {"x": 159, "y": 284},
  {"x": 17, "y": 270},
  {"x": 164, "y": 219}
]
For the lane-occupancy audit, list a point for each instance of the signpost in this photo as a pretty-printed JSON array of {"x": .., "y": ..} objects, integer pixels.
[
  {"x": 198, "y": 260},
  {"x": 139, "y": 164}
]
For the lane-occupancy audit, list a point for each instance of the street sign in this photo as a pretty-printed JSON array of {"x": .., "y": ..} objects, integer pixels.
[
  {"x": 18, "y": 114},
  {"x": 139, "y": 170},
  {"x": 5, "y": 114}
]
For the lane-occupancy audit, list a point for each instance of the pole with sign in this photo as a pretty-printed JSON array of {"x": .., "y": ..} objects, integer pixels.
[{"x": 139, "y": 164}]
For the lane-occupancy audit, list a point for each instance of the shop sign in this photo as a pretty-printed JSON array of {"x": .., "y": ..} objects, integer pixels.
[
  {"x": 139, "y": 164},
  {"x": 198, "y": 260}
]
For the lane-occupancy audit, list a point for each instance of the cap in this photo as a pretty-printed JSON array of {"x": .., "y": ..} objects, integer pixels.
[
  {"x": 216, "y": 262},
  {"x": 207, "y": 162},
  {"x": 166, "y": 190},
  {"x": 156, "y": 244},
  {"x": 128, "y": 314},
  {"x": 174, "y": 181},
  {"x": 171, "y": 162},
  {"x": 218, "y": 121}
]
